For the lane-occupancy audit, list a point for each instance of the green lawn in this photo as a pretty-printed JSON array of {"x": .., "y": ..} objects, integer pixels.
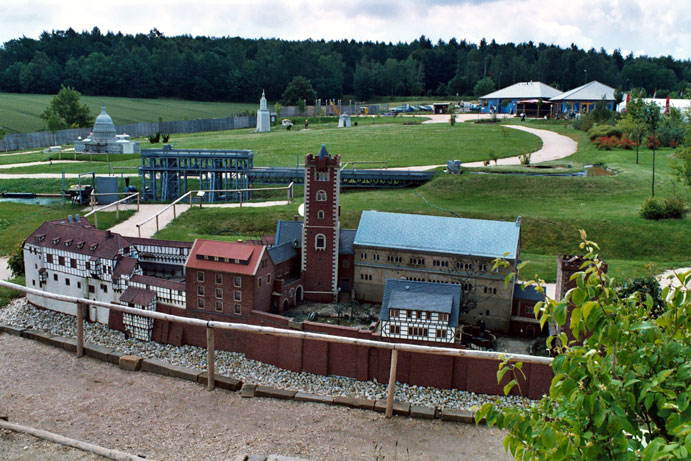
[
  {"x": 21, "y": 112},
  {"x": 18, "y": 220},
  {"x": 552, "y": 210},
  {"x": 375, "y": 139}
]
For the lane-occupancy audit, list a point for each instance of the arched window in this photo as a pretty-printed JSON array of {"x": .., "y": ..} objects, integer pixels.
[
  {"x": 321, "y": 196},
  {"x": 320, "y": 214},
  {"x": 320, "y": 242}
]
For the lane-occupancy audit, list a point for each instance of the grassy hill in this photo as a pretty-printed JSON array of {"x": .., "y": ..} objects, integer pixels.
[{"x": 20, "y": 113}]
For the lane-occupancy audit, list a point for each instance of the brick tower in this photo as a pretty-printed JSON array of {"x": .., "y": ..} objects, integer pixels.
[{"x": 321, "y": 227}]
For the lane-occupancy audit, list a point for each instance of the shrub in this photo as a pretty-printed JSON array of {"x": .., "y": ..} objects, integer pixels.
[
  {"x": 598, "y": 131},
  {"x": 524, "y": 158},
  {"x": 165, "y": 137},
  {"x": 670, "y": 135},
  {"x": 16, "y": 261},
  {"x": 669, "y": 208},
  {"x": 649, "y": 141},
  {"x": 626, "y": 143},
  {"x": 155, "y": 138},
  {"x": 583, "y": 123},
  {"x": 606, "y": 142}
]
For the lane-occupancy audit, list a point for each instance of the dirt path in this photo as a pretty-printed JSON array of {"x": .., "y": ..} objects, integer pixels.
[{"x": 166, "y": 418}]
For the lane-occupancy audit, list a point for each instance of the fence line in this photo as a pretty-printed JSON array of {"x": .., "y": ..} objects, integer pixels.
[
  {"x": 94, "y": 211},
  {"x": 38, "y": 139},
  {"x": 295, "y": 334}
]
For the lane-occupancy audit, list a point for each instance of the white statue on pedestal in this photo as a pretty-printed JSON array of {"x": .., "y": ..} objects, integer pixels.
[{"x": 263, "y": 116}]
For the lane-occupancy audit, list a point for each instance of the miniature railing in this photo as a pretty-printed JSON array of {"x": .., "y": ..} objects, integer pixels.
[
  {"x": 211, "y": 325},
  {"x": 200, "y": 195},
  {"x": 94, "y": 211}
]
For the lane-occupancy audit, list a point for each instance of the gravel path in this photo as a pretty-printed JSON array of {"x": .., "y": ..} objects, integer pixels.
[
  {"x": 18, "y": 165},
  {"x": 167, "y": 418}
]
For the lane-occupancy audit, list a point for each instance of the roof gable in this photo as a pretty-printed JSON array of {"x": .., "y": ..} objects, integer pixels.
[
  {"x": 591, "y": 91},
  {"x": 231, "y": 257},
  {"x": 421, "y": 296},
  {"x": 439, "y": 234},
  {"x": 78, "y": 237},
  {"x": 524, "y": 90}
]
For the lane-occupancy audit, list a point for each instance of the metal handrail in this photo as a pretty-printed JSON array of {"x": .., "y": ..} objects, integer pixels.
[
  {"x": 289, "y": 188},
  {"x": 211, "y": 325},
  {"x": 117, "y": 205}
]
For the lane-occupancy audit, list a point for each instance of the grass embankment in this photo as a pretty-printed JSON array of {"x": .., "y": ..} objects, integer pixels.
[
  {"x": 552, "y": 211},
  {"x": 18, "y": 220},
  {"x": 20, "y": 113}
]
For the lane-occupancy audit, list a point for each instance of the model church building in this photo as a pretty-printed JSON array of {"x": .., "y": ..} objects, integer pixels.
[{"x": 430, "y": 273}]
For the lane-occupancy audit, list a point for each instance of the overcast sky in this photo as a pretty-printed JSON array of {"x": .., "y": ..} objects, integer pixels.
[{"x": 654, "y": 28}]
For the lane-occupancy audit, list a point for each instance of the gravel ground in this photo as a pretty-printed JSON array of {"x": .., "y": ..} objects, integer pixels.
[
  {"x": 21, "y": 314},
  {"x": 166, "y": 418},
  {"x": 21, "y": 447}
]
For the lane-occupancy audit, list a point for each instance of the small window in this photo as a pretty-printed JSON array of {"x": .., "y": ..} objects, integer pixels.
[
  {"x": 394, "y": 329},
  {"x": 409, "y": 314},
  {"x": 73, "y": 263},
  {"x": 393, "y": 313},
  {"x": 61, "y": 260},
  {"x": 259, "y": 281},
  {"x": 92, "y": 289},
  {"x": 263, "y": 263},
  {"x": 219, "y": 306},
  {"x": 55, "y": 277},
  {"x": 67, "y": 281},
  {"x": 219, "y": 293},
  {"x": 87, "y": 265},
  {"x": 200, "y": 290},
  {"x": 200, "y": 276},
  {"x": 268, "y": 278},
  {"x": 200, "y": 303},
  {"x": 237, "y": 296},
  {"x": 237, "y": 281},
  {"x": 322, "y": 175},
  {"x": 33, "y": 282},
  {"x": 237, "y": 309},
  {"x": 79, "y": 284},
  {"x": 320, "y": 242},
  {"x": 441, "y": 333},
  {"x": 219, "y": 279},
  {"x": 428, "y": 316},
  {"x": 49, "y": 258},
  {"x": 104, "y": 288},
  {"x": 321, "y": 196},
  {"x": 320, "y": 214}
]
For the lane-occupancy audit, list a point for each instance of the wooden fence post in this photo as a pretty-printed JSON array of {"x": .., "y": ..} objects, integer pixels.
[
  {"x": 96, "y": 219},
  {"x": 137, "y": 201},
  {"x": 117, "y": 210},
  {"x": 392, "y": 383},
  {"x": 139, "y": 230},
  {"x": 157, "y": 223},
  {"x": 80, "y": 329},
  {"x": 175, "y": 216},
  {"x": 210, "y": 365}
]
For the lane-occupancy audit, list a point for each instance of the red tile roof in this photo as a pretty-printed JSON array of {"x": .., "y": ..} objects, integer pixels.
[
  {"x": 124, "y": 266},
  {"x": 137, "y": 296},
  {"x": 78, "y": 237},
  {"x": 231, "y": 251}
]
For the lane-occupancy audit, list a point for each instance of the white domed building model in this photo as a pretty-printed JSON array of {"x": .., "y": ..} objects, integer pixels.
[{"x": 105, "y": 140}]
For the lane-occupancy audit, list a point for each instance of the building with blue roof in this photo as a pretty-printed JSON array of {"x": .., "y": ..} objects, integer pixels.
[
  {"x": 421, "y": 311},
  {"x": 442, "y": 250}
]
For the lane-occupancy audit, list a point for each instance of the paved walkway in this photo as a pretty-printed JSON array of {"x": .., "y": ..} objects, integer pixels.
[
  {"x": 5, "y": 272},
  {"x": 53, "y": 162},
  {"x": 554, "y": 146},
  {"x": 129, "y": 227}
]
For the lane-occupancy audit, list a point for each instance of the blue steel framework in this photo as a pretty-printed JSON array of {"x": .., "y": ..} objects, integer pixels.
[{"x": 165, "y": 172}]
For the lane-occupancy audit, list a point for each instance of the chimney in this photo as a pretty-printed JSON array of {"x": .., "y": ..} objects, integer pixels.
[
  {"x": 109, "y": 234},
  {"x": 76, "y": 218},
  {"x": 239, "y": 240},
  {"x": 518, "y": 222},
  {"x": 296, "y": 217},
  {"x": 69, "y": 218}
]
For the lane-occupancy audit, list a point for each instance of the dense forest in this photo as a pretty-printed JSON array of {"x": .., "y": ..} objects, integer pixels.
[{"x": 237, "y": 69}]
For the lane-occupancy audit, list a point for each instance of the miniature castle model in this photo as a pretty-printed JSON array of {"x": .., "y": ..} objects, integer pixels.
[
  {"x": 104, "y": 139},
  {"x": 430, "y": 273},
  {"x": 344, "y": 121},
  {"x": 263, "y": 116}
]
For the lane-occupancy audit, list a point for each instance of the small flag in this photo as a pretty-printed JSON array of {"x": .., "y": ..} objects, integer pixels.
[{"x": 655, "y": 93}]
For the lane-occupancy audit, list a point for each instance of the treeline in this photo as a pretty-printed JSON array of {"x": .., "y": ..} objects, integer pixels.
[{"x": 236, "y": 69}]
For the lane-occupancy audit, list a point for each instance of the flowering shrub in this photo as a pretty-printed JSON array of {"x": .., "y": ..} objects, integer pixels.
[
  {"x": 649, "y": 142},
  {"x": 606, "y": 142},
  {"x": 626, "y": 143}
]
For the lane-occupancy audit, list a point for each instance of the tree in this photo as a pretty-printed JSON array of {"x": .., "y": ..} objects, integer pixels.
[
  {"x": 651, "y": 114},
  {"x": 64, "y": 111},
  {"x": 635, "y": 113},
  {"x": 483, "y": 87},
  {"x": 681, "y": 164},
  {"x": 621, "y": 389},
  {"x": 299, "y": 89}
]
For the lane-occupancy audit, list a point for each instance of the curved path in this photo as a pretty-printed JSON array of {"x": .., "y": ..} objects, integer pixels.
[
  {"x": 52, "y": 162},
  {"x": 554, "y": 146}
]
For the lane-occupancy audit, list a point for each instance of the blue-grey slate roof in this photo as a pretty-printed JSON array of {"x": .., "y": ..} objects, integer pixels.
[
  {"x": 291, "y": 231},
  {"x": 281, "y": 253},
  {"x": 421, "y": 296},
  {"x": 528, "y": 293},
  {"x": 439, "y": 234}
]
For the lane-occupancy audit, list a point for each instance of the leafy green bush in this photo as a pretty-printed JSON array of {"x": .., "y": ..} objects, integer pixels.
[
  {"x": 155, "y": 138},
  {"x": 583, "y": 123},
  {"x": 620, "y": 391},
  {"x": 669, "y": 208},
  {"x": 603, "y": 131},
  {"x": 16, "y": 261},
  {"x": 670, "y": 134}
]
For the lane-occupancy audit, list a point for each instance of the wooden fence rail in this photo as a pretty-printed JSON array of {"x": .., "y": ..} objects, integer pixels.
[{"x": 210, "y": 325}]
